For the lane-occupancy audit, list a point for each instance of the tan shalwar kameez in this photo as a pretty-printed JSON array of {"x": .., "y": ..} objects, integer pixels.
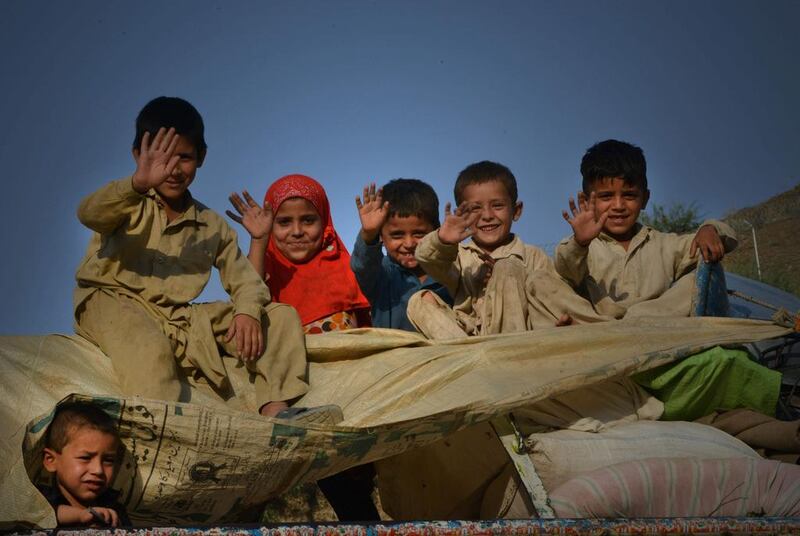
[
  {"x": 517, "y": 296},
  {"x": 135, "y": 288},
  {"x": 653, "y": 277}
]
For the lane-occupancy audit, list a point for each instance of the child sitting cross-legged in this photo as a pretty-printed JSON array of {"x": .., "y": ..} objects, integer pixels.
[
  {"x": 396, "y": 217},
  {"x": 82, "y": 450},
  {"x": 630, "y": 270},
  {"x": 152, "y": 253},
  {"x": 623, "y": 267},
  {"x": 493, "y": 278}
]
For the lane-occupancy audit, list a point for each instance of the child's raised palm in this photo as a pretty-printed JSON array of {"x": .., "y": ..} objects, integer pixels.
[
  {"x": 458, "y": 224},
  {"x": 256, "y": 219},
  {"x": 155, "y": 161},
  {"x": 585, "y": 222},
  {"x": 372, "y": 210}
]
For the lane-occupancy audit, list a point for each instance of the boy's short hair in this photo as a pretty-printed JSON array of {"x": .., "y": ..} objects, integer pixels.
[
  {"x": 485, "y": 171},
  {"x": 172, "y": 112},
  {"x": 613, "y": 158},
  {"x": 412, "y": 197},
  {"x": 72, "y": 416}
]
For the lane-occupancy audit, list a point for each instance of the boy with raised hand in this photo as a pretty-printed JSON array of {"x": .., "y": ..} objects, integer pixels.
[
  {"x": 396, "y": 217},
  {"x": 491, "y": 277},
  {"x": 82, "y": 450},
  {"x": 151, "y": 254},
  {"x": 623, "y": 267}
]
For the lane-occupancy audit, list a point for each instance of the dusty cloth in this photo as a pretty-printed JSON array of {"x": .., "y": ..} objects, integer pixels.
[
  {"x": 324, "y": 285},
  {"x": 681, "y": 487},
  {"x": 153, "y": 269},
  {"x": 647, "y": 279},
  {"x": 762, "y": 432},
  {"x": 564, "y": 454},
  {"x": 431, "y": 483},
  {"x": 509, "y": 301},
  {"x": 163, "y": 351},
  {"x": 397, "y": 391},
  {"x": 718, "y": 378}
]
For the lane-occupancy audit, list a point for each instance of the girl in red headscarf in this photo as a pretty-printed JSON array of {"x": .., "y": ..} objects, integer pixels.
[
  {"x": 294, "y": 246},
  {"x": 296, "y": 249}
]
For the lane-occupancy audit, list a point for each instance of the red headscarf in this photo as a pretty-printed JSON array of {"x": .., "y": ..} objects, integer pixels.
[{"x": 324, "y": 285}]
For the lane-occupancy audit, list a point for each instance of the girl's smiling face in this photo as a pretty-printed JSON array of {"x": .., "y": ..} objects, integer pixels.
[{"x": 297, "y": 230}]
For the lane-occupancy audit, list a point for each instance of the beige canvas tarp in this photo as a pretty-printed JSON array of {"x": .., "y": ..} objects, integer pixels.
[{"x": 207, "y": 460}]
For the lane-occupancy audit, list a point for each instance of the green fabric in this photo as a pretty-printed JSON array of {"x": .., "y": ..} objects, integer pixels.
[{"x": 718, "y": 378}]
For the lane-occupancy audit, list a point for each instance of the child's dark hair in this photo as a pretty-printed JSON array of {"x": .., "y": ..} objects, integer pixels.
[
  {"x": 485, "y": 171},
  {"x": 72, "y": 416},
  {"x": 412, "y": 197},
  {"x": 173, "y": 112},
  {"x": 612, "y": 158}
]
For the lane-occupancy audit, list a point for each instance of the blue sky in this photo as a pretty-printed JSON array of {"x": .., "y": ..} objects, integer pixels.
[{"x": 351, "y": 92}]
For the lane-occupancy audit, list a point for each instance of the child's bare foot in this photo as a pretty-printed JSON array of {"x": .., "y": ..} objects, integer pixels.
[
  {"x": 270, "y": 409},
  {"x": 428, "y": 297},
  {"x": 564, "y": 320}
]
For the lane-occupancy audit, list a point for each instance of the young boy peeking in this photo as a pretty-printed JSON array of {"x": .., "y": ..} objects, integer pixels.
[
  {"x": 151, "y": 254},
  {"x": 397, "y": 217},
  {"x": 491, "y": 277},
  {"x": 81, "y": 451},
  {"x": 623, "y": 267}
]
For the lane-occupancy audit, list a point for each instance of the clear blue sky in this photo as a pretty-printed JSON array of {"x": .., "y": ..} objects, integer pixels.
[{"x": 350, "y": 92}]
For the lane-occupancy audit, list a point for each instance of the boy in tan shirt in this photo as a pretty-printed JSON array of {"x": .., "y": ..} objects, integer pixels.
[
  {"x": 625, "y": 268},
  {"x": 151, "y": 254},
  {"x": 493, "y": 277}
]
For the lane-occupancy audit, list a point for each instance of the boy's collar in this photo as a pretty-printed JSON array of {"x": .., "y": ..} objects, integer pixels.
[
  {"x": 514, "y": 247},
  {"x": 190, "y": 213},
  {"x": 641, "y": 232}
]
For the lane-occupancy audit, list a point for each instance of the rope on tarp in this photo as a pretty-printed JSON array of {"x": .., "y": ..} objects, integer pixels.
[
  {"x": 507, "y": 431},
  {"x": 781, "y": 316}
]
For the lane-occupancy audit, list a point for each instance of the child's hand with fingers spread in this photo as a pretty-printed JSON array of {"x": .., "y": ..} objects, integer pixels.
[
  {"x": 373, "y": 212},
  {"x": 458, "y": 225},
  {"x": 155, "y": 161},
  {"x": 708, "y": 242},
  {"x": 256, "y": 219},
  {"x": 585, "y": 222}
]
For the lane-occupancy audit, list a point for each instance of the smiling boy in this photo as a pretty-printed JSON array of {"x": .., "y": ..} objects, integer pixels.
[
  {"x": 491, "y": 277},
  {"x": 625, "y": 268},
  {"x": 151, "y": 255},
  {"x": 81, "y": 452},
  {"x": 396, "y": 217}
]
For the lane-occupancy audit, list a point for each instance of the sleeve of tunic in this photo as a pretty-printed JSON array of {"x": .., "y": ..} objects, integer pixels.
[
  {"x": 110, "y": 207},
  {"x": 366, "y": 262},
  {"x": 571, "y": 261},
  {"x": 439, "y": 261}
]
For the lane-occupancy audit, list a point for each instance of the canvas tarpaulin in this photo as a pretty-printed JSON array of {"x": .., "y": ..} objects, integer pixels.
[{"x": 207, "y": 460}]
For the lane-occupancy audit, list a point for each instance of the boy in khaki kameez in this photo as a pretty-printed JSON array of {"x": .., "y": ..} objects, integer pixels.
[
  {"x": 624, "y": 268},
  {"x": 495, "y": 279},
  {"x": 151, "y": 255}
]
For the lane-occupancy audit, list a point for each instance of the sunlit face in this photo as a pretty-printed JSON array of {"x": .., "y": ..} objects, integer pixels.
[
  {"x": 297, "y": 230},
  {"x": 173, "y": 190},
  {"x": 85, "y": 467},
  {"x": 400, "y": 236},
  {"x": 497, "y": 213},
  {"x": 623, "y": 203}
]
